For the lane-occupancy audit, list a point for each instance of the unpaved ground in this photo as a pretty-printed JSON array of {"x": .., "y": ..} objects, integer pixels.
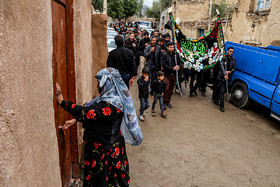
[{"x": 197, "y": 145}]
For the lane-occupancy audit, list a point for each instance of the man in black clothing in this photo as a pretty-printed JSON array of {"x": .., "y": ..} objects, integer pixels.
[
  {"x": 122, "y": 59},
  {"x": 162, "y": 45},
  {"x": 170, "y": 66},
  {"x": 143, "y": 43},
  {"x": 166, "y": 38},
  {"x": 152, "y": 54},
  {"x": 156, "y": 34},
  {"x": 226, "y": 67},
  {"x": 215, "y": 94},
  {"x": 132, "y": 44},
  {"x": 200, "y": 82}
]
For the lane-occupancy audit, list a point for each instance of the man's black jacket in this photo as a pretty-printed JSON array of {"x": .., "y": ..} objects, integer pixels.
[
  {"x": 153, "y": 58},
  {"x": 142, "y": 45},
  {"x": 231, "y": 66},
  {"x": 128, "y": 45},
  {"x": 122, "y": 59},
  {"x": 168, "y": 63}
]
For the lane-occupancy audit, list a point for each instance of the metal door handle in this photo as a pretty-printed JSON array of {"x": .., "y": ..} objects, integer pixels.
[{"x": 63, "y": 129}]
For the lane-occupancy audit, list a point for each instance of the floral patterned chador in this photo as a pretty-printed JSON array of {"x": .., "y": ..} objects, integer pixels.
[
  {"x": 105, "y": 157},
  {"x": 108, "y": 120}
]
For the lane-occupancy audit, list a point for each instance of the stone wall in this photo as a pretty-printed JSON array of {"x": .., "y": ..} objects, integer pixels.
[
  {"x": 255, "y": 28},
  {"x": 194, "y": 15},
  {"x": 28, "y": 143}
]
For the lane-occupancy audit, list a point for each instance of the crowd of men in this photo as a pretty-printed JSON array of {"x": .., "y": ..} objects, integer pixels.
[{"x": 154, "y": 56}]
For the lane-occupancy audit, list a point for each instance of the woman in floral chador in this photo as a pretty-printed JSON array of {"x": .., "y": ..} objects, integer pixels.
[{"x": 108, "y": 120}]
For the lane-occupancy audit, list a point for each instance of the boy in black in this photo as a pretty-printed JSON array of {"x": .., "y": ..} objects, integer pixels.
[
  {"x": 143, "y": 87},
  {"x": 158, "y": 90}
]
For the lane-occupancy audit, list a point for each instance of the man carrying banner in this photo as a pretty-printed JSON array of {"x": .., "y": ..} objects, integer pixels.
[
  {"x": 169, "y": 68},
  {"x": 226, "y": 67}
]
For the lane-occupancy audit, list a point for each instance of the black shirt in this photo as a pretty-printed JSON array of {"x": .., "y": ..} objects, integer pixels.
[
  {"x": 158, "y": 87},
  {"x": 129, "y": 45},
  {"x": 143, "y": 87},
  {"x": 122, "y": 59},
  {"x": 101, "y": 121},
  {"x": 142, "y": 45},
  {"x": 228, "y": 64}
]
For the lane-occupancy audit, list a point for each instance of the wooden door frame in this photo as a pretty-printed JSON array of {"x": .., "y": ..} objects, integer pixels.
[
  {"x": 71, "y": 81},
  {"x": 72, "y": 84}
]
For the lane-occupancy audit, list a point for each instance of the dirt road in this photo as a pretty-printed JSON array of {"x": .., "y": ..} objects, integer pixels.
[{"x": 197, "y": 145}]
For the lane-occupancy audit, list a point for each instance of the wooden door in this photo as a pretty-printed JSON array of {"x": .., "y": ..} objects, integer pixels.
[{"x": 64, "y": 74}]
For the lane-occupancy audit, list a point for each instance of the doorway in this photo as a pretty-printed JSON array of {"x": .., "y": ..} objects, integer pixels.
[{"x": 64, "y": 74}]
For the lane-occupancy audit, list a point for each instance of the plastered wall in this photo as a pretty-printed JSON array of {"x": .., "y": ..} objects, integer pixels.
[
  {"x": 28, "y": 142},
  {"x": 83, "y": 58},
  {"x": 90, "y": 54},
  {"x": 99, "y": 46},
  {"x": 249, "y": 27}
]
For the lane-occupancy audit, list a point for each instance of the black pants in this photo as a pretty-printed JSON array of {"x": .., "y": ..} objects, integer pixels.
[
  {"x": 222, "y": 87},
  {"x": 216, "y": 90},
  {"x": 200, "y": 82},
  {"x": 152, "y": 76}
]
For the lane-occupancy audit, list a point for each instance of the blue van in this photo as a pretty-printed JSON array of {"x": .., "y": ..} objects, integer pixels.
[{"x": 257, "y": 77}]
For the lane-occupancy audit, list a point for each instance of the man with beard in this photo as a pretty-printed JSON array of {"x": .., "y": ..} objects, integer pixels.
[
  {"x": 132, "y": 44},
  {"x": 156, "y": 34},
  {"x": 170, "y": 66},
  {"x": 226, "y": 67},
  {"x": 152, "y": 54}
]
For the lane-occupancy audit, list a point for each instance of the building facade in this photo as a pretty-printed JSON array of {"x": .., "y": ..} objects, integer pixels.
[
  {"x": 194, "y": 15},
  {"x": 254, "y": 22}
]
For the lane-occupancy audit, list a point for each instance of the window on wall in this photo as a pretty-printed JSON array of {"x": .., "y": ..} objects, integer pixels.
[
  {"x": 200, "y": 32},
  {"x": 263, "y": 5}
]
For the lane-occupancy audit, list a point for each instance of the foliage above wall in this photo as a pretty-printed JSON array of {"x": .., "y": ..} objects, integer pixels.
[
  {"x": 158, "y": 6},
  {"x": 226, "y": 10},
  {"x": 120, "y": 8}
]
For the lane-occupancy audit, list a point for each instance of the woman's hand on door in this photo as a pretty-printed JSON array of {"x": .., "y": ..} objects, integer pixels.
[{"x": 69, "y": 123}]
